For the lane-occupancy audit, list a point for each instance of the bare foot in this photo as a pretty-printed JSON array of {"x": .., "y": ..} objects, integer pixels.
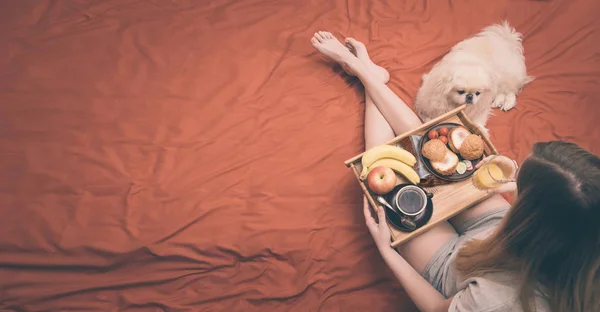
[
  {"x": 358, "y": 48},
  {"x": 329, "y": 46}
]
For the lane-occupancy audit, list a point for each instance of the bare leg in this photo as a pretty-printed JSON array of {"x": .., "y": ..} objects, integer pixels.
[
  {"x": 397, "y": 114},
  {"x": 379, "y": 98},
  {"x": 377, "y": 129},
  {"x": 491, "y": 204}
]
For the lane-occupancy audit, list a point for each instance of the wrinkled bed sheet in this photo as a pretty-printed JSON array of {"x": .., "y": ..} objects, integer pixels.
[{"x": 188, "y": 155}]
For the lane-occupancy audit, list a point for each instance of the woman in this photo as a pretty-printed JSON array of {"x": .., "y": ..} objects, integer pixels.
[{"x": 542, "y": 254}]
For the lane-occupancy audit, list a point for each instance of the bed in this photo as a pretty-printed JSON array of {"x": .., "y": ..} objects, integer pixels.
[{"x": 177, "y": 155}]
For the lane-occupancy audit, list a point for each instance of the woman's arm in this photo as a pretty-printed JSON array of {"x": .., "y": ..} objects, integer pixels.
[{"x": 425, "y": 297}]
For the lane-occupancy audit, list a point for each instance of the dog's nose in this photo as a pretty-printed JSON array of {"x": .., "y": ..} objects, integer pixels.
[{"x": 469, "y": 98}]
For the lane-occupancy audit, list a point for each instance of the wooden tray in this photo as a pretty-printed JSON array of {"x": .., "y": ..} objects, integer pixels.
[{"x": 449, "y": 198}]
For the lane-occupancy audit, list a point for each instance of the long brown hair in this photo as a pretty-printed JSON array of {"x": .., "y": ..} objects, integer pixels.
[{"x": 550, "y": 238}]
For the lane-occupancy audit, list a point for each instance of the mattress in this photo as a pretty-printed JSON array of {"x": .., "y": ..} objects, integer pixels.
[{"x": 188, "y": 155}]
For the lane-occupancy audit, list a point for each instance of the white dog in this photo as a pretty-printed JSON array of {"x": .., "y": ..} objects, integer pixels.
[{"x": 485, "y": 71}]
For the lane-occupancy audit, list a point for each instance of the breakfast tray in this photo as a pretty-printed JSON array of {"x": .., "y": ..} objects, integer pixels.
[{"x": 450, "y": 198}]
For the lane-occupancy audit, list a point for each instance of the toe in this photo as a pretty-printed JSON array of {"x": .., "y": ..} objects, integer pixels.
[
  {"x": 314, "y": 41},
  {"x": 330, "y": 35},
  {"x": 353, "y": 42},
  {"x": 322, "y": 35},
  {"x": 350, "y": 47},
  {"x": 318, "y": 37}
]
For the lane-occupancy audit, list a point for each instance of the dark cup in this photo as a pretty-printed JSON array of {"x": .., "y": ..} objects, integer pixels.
[{"x": 414, "y": 207}]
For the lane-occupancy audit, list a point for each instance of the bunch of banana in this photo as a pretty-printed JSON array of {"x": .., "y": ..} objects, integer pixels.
[{"x": 396, "y": 158}]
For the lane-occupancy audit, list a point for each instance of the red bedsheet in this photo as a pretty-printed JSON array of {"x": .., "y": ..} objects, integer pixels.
[{"x": 188, "y": 155}]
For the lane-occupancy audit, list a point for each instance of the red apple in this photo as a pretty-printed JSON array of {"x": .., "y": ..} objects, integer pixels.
[{"x": 381, "y": 180}]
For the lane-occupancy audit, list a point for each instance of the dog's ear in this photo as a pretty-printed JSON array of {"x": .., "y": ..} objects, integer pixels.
[
  {"x": 431, "y": 96},
  {"x": 442, "y": 84}
]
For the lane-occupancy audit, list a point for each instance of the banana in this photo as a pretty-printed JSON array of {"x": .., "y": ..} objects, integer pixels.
[
  {"x": 387, "y": 151},
  {"x": 396, "y": 165}
]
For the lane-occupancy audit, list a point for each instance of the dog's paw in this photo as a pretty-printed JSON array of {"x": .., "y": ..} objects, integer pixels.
[
  {"x": 499, "y": 100},
  {"x": 510, "y": 102}
]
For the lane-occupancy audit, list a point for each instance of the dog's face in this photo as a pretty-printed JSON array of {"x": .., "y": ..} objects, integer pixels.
[{"x": 468, "y": 85}]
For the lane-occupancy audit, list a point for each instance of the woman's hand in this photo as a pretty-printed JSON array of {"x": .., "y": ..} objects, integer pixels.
[
  {"x": 380, "y": 232},
  {"x": 507, "y": 187}
]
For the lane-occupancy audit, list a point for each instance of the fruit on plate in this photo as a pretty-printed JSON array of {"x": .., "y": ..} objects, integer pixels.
[
  {"x": 456, "y": 136},
  {"x": 471, "y": 147},
  {"x": 448, "y": 165},
  {"x": 461, "y": 168},
  {"x": 444, "y": 139},
  {"x": 469, "y": 165},
  {"x": 443, "y": 131},
  {"x": 405, "y": 170},
  {"x": 381, "y": 180},
  {"x": 434, "y": 150},
  {"x": 432, "y": 134}
]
